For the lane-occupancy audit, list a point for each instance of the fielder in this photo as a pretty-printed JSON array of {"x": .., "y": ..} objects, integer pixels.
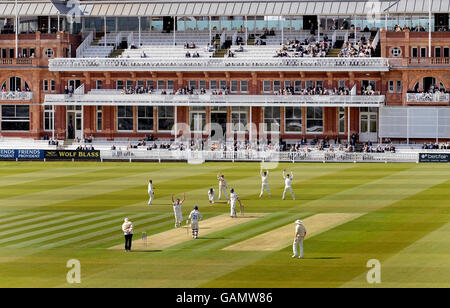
[
  {"x": 150, "y": 192},
  {"x": 288, "y": 184},
  {"x": 177, "y": 210},
  {"x": 300, "y": 233},
  {"x": 265, "y": 183},
  {"x": 223, "y": 186},
  {"x": 234, "y": 198},
  {"x": 212, "y": 196},
  {"x": 195, "y": 216}
]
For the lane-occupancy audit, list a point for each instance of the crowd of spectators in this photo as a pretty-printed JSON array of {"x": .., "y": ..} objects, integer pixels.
[
  {"x": 436, "y": 146},
  {"x": 363, "y": 49},
  {"x": 308, "y": 48},
  {"x": 313, "y": 91},
  {"x": 180, "y": 91}
]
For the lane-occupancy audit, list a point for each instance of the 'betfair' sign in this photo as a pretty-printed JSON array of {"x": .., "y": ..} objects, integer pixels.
[
  {"x": 72, "y": 154},
  {"x": 434, "y": 157}
]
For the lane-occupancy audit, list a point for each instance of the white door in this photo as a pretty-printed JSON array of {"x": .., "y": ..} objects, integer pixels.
[{"x": 368, "y": 124}]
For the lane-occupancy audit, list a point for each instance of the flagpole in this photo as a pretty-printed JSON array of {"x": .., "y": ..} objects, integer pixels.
[{"x": 17, "y": 31}]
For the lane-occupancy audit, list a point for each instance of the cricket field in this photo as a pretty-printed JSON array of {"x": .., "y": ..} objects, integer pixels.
[{"x": 53, "y": 212}]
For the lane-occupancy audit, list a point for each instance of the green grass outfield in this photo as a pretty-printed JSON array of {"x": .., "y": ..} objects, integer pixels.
[{"x": 53, "y": 212}]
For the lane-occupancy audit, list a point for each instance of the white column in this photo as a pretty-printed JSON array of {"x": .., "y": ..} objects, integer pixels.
[
  {"x": 354, "y": 26},
  {"x": 53, "y": 122},
  {"x": 116, "y": 24},
  {"x": 210, "y": 29},
  {"x": 104, "y": 28},
  {"x": 246, "y": 31},
  {"x": 348, "y": 125},
  {"x": 282, "y": 30},
  {"x": 250, "y": 126},
  {"x": 59, "y": 21},
  {"x": 17, "y": 29},
  {"x": 49, "y": 22},
  {"x": 139, "y": 19},
  {"x": 429, "y": 28},
  {"x": 83, "y": 23},
  {"x": 318, "y": 28},
  {"x": 174, "y": 30},
  {"x": 386, "y": 21}
]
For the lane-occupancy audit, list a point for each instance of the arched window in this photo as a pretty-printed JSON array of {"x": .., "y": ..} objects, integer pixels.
[{"x": 15, "y": 83}]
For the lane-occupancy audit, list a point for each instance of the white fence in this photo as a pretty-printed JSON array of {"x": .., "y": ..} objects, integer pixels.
[
  {"x": 83, "y": 46},
  {"x": 16, "y": 96},
  {"x": 254, "y": 156},
  {"x": 428, "y": 97},
  {"x": 220, "y": 64}
]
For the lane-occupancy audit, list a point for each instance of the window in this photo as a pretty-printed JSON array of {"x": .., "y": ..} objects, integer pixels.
[
  {"x": 341, "y": 120},
  {"x": 125, "y": 118},
  {"x": 161, "y": 84},
  {"x": 45, "y": 85},
  {"x": 48, "y": 118},
  {"x": 314, "y": 120},
  {"x": 287, "y": 83},
  {"x": 446, "y": 52},
  {"x": 193, "y": 84},
  {"x": 396, "y": 52},
  {"x": 49, "y": 53},
  {"x": 150, "y": 85},
  {"x": 202, "y": 84},
  {"x": 234, "y": 86},
  {"x": 341, "y": 84},
  {"x": 239, "y": 118},
  {"x": 52, "y": 85},
  {"x": 130, "y": 84},
  {"x": 276, "y": 85},
  {"x": 293, "y": 119},
  {"x": 170, "y": 84},
  {"x": 414, "y": 52},
  {"x": 145, "y": 118},
  {"x": 213, "y": 84},
  {"x": 166, "y": 118},
  {"x": 119, "y": 84},
  {"x": 297, "y": 85},
  {"x": 99, "y": 118},
  {"x": 399, "y": 86},
  {"x": 98, "y": 84},
  {"x": 423, "y": 52},
  {"x": 391, "y": 86},
  {"x": 272, "y": 119},
  {"x": 198, "y": 118},
  {"x": 319, "y": 83},
  {"x": 15, "y": 117},
  {"x": 244, "y": 86},
  {"x": 437, "y": 52},
  {"x": 223, "y": 84},
  {"x": 266, "y": 86},
  {"x": 140, "y": 84},
  {"x": 309, "y": 84},
  {"x": 15, "y": 83}
]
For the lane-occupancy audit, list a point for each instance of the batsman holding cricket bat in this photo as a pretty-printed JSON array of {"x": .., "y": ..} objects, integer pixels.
[{"x": 234, "y": 198}]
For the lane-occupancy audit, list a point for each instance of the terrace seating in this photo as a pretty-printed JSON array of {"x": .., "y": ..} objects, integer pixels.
[
  {"x": 165, "y": 51},
  {"x": 27, "y": 144},
  {"x": 96, "y": 51}
]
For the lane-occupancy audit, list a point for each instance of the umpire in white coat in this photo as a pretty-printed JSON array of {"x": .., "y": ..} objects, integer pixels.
[{"x": 300, "y": 233}]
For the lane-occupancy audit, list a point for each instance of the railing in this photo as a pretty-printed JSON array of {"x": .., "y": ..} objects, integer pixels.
[
  {"x": 79, "y": 90},
  {"x": 220, "y": 64},
  {"x": 215, "y": 100},
  {"x": 428, "y": 97},
  {"x": 19, "y": 61},
  {"x": 16, "y": 96},
  {"x": 86, "y": 43},
  {"x": 257, "y": 156},
  {"x": 401, "y": 62}
]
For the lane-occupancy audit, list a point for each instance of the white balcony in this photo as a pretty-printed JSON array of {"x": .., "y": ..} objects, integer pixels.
[
  {"x": 16, "y": 96},
  {"x": 214, "y": 100},
  {"x": 427, "y": 98},
  {"x": 220, "y": 64}
]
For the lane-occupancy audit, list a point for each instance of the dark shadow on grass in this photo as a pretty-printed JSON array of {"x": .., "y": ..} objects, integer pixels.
[
  {"x": 323, "y": 258},
  {"x": 132, "y": 251},
  {"x": 212, "y": 238}
]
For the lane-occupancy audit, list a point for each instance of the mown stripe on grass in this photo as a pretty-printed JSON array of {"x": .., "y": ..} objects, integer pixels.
[
  {"x": 74, "y": 227},
  {"x": 20, "y": 215},
  {"x": 41, "y": 217}
]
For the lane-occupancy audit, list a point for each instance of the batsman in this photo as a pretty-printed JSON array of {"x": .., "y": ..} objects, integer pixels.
[{"x": 195, "y": 216}]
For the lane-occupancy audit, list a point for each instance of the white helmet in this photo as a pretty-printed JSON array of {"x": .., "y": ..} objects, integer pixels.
[{"x": 298, "y": 221}]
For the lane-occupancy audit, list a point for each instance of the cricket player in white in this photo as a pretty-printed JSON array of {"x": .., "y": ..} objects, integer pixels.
[
  {"x": 223, "y": 186},
  {"x": 195, "y": 216},
  {"x": 265, "y": 183},
  {"x": 150, "y": 192},
  {"x": 177, "y": 210},
  {"x": 234, "y": 198},
  {"x": 288, "y": 184},
  {"x": 211, "y": 196},
  {"x": 300, "y": 233}
]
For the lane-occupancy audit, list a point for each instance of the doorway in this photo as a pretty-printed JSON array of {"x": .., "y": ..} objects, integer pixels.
[
  {"x": 74, "y": 122},
  {"x": 368, "y": 124}
]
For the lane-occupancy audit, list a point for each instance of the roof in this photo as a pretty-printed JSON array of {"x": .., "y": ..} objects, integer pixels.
[{"x": 126, "y": 8}]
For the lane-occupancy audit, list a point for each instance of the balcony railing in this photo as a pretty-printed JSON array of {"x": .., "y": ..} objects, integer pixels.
[
  {"x": 400, "y": 62},
  {"x": 220, "y": 64},
  {"x": 427, "y": 98},
  {"x": 215, "y": 100},
  {"x": 16, "y": 96},
  {"x": 19, "y": 61}
]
